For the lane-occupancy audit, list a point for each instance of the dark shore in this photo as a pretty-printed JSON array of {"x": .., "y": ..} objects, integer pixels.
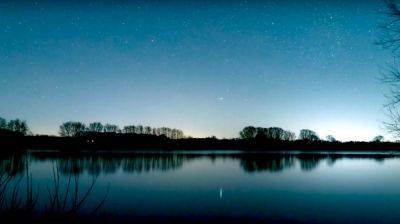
[{"x": 120, "y": 142}]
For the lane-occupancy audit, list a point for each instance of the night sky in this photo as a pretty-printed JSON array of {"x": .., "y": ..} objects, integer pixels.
[{"x": 206, "y": 67}]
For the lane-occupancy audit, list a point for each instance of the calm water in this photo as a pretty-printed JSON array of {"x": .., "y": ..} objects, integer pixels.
[{"x": 281, "y": 187}]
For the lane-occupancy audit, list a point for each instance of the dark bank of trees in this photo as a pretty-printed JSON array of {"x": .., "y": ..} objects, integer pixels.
[
  {"x": 378, "y": 138},
  {"x": 76, "y": 129},
  {"x": 306, "y": 134},
  {"x": 277, "y": 134},
  {"x": 14, "y": 126},
  {"x": 330, "y": 138},
  {"x": 272, "y": 133},
  {"x": 77, "y": 136}
]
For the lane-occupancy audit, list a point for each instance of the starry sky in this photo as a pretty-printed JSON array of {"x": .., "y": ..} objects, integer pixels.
[{"x": 206, "y": 67}]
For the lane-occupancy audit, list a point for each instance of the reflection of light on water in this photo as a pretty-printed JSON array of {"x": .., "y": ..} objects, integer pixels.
[{"x": 220, "y": 193}]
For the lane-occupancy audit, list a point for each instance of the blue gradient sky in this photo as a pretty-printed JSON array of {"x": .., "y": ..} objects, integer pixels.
[{"x": 206, "y": 67}]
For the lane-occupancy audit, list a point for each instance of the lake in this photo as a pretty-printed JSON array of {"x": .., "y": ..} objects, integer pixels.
[{"x": 205, "y": 186}]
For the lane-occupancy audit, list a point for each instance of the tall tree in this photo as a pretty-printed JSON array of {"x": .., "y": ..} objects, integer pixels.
[
  {"x": 72, "y": 129},
  {"x": 248, "y": 132},
  {"x": 3, "y": 123},
  {"x": 288, "y": 136},
  {"x": 308, "y": 135},
  {"x": 390, "y": 39},
  {"x": 129, "y": 129},
  {"x": 330, "y": 138},
  {"x": 378, "y": 138},
  {"x": 275, "y": 133},
  {"x": 95, "y": 127},
  {"x": 18, "y": 125},
  {"x": 139, "y": 129},
  {"x": 147, "y": 130},
  {"x": 111, "y": 128}
]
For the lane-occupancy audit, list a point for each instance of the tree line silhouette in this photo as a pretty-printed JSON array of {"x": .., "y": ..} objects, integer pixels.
[
  {"x": 16, "y": 126},
  {"x": 279, "y": 134},
  {"x": 75, "y": 136},
  {"x": 74, "y": 129},
  {"x": 79, "y": 129}
]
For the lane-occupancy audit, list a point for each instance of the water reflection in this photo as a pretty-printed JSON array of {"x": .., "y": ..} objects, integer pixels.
[
  {"x": 12, "y": 164},
  {"x": 307, "y": 161},
  {"x": 271, "y": 163},
  {"x": 109, "y": 163},
  {"x": 142, "y": 184},
  {"x": 66, "y": 201}
]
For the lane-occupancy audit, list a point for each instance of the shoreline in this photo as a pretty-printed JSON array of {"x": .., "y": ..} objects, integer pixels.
[{"x": 148, "y": 143}]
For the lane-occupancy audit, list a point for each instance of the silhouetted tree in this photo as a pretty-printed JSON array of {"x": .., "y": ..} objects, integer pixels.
[
  {"x": 71, "y": 128},
  {"x": 181, "y": 134},
  {"x": 248, "y": 132},
  {"x": 129, "y": 129},
  {"x": 95, "y": 127},
  {"x": 378, "y": 138},
  {"x": 139, "y": 129},
  {"x": 76, "y": 128},
  {"x": 275, "y": 133},
  {"x": 288, "y": 136},
  {"x": 176, "y": 134},
  {"x": 168, "y": 132},
  {"x": 111, "y": 128},
  {"x": 272, "y": 133},
  {"x": 390, "y": 39},
  {"x": 18, "y": 126},
  {"x": 164, "y": 131},
  {"x": 330, "y": 138},
  {"x": 3, "y": 123},
  {"x": 65, "y": 129},
  {"x": 147, "y": 130},
  {"x": 309, "y": 135},
  {"x": 261, "y": 133}
]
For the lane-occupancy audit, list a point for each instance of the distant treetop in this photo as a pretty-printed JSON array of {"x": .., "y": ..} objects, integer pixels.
[
  {"x": 378, "y": 138},
  {"x": 279, "y": 134},
  {"x": 330, "y": 138},
  {"x": 308, "y": 135},
  {"x": 272, "y": 133},
  {"x": 15, "y": 125},
  {"x": 71, "y": 129}
]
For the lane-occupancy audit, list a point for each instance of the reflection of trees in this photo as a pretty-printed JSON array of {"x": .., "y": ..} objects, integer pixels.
[
  {"x": 270, "y": 163},
  {"x": 71, "y": 166},
  {"x": 163, "y": 163},
  {"x": 92, "y": 165},
  {"x": 309, "y": 161},
  {"x": 12, "y": 164},
  {"x": 65, "y": 200},
  {"x": 109, "y": 165},
  {"x": 96, "y": 164},
  {"x": 279, "y": 162},
  {"x": 145, "y": 162}
]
